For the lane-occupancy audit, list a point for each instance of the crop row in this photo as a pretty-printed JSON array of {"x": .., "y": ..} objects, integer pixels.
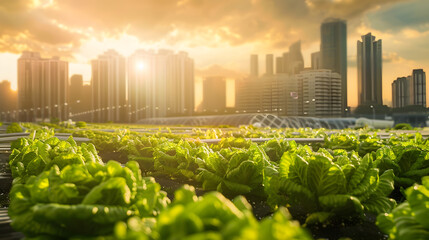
[
  {"x": 64, "y": 191},
  {"x": 347, "y": 177}
]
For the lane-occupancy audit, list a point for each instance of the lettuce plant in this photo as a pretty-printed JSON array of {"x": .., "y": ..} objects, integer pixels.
[
  {"x": 275, "y": 148},
  {"x": 180, "y": 160},
  {"x": 235, "y": 171},
  {"x": 211, "y": 216},
  {"x": 83, "y": 200},
  {"x": 323, "y": 187},
  {"x": 31, "y": 157},
  {"x": 409, "y": 161},
  {"x": 409, "y": 220}
]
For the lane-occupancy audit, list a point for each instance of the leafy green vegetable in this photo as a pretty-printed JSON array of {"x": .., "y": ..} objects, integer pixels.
[
  {"x": 323, "y": 187},
  {"x": 72, "y": 186},
  {"x": 410, "y": 219},
  {"x": 409, "y": 161},
  {"x": 235, "y": 171}
]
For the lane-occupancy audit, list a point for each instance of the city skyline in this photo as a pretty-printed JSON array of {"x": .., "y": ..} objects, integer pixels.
[{"x": 225, "y": 43}]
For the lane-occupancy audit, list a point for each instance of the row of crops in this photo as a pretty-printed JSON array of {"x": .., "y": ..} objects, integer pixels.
[{"x": 236, "y": 189}]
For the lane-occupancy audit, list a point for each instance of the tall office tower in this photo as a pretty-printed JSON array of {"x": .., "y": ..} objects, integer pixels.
[
  {"x": 214, "y": 94},
  {"x": 279, "y": 65},
  {"x": 369, "y": 61},
  {"x": 43, "y": 88},
  {"x": 285, "y": 60},
  {"x": 269, "y": 64},
  {"x": 402, "y": 92},
  {"x": 333, "y": 52},
  {"x": 321, "y": 93},
  {"x": 295, "y": 63},
  {"x": 160, "y": 84},
  {"x": 109, "y": 88},
  {"x": 254, "y": 66},
  {"x": 419, "y": 87},
  {"x": 316, "y": 61}
]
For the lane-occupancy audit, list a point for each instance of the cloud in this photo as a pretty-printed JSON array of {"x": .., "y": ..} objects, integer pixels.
[
  {"x": 404, "y": 15},
  {"x": 392, "y": 57},
  {"x": 217, "y": 70},
  {"x": 65, "y": 24},
  {"x": 24, "y": 27}
]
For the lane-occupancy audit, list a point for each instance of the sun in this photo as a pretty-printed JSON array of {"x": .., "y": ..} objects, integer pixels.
[{"x": 140, "y": 66}]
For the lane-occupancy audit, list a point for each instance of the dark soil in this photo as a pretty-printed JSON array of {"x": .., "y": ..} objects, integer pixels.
[
  {"x": 353, "y": 228},
  {"x": 117, "y": 156}
]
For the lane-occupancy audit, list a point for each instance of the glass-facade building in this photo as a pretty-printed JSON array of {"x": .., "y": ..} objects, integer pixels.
[
  {"x": 419, "y": 87},
  {"x": 369, "y": 65},
  {"x": 333, "y": 52}
]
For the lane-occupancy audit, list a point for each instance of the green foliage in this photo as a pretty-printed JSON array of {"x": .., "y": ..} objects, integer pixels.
[
  {"x": 324, "y": 187},
  {"x": 210, "y": 217},
  {"x": 232, "y": 143},
  {"x": 409, "y": 161},
  {"x": 275, "y": 148},
  {"x": 81, "y": 124},
  {"x": 31, "y": 157},
  {"x": 55, "y": 121},
  {"x": 56, "y": 202},
  {"x": 180, "y": 160},
  {"x": 409, "y": 220},
  {"x": 403, "y": 126},
  {"x": 235, "y": 171},
  {"x": 14, "y": 128}
]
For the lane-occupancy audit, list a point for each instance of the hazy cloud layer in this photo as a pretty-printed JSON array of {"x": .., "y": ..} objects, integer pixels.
[
  {"x": 59, "y": 27},
  {"x": 217, "y": 70}
]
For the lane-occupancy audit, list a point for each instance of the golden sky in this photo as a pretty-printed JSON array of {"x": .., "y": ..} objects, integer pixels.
[{"x": 218, "y": 34}]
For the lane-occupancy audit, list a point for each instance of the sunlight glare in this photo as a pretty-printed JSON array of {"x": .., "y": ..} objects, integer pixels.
[{"x": 140, "y": 66}]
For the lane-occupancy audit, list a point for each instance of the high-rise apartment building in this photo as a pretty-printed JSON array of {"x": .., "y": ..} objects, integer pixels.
[
  {"x": 409, "y": 90},
  {"x": 278, "y": 94},
  {"x": 419, "y": 87},
  {"x": 108, "y": 81},
  {"x": 402, "y": 92},
  {"x": 160, "y": 84},
  {"x": 321, "y": 93},
  {"x": 333, "y": 52},
  {"x": 214, "y": 94},
  {"x": 369, "y": 63},
  {"x": 43, "y": 88}
]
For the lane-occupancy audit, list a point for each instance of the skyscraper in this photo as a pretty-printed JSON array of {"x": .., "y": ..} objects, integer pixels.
[
  {"x": 269, "y": 64},
  {"x": 160, "y": 84},
  {"x": 254, "y": 65},
  {"x": 419, "y": 87},
  {"x": 409, "y": 90},
  {"x": 279, "y": 65},
  {"x": 369, "y": 63},
  {"x": 316, "y": 61},
  {"x": 295, "y": 62},
  {"x": 333, "y": 52},
  {"x": 108, "y": 88},
  {"x": 402, "y": 92},
  {"x": 43, "y": 88},
  {"x": 214, "y": 94}
]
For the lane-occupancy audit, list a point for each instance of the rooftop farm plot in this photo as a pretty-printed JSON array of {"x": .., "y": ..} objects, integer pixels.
[{"x": 234, "y": 183}]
